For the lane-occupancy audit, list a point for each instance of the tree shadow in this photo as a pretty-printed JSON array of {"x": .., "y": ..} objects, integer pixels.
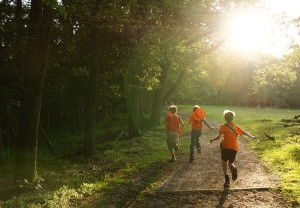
[{"x": 223, "y": 197}]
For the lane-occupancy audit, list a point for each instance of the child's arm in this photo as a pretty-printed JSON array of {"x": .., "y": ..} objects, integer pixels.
[
  {"x": 207, "y": 124},
  {"x": 248, "y": 135},
  {"x": 216, "y": 138},
  {"x": 166, "y": 125},
  {"x": 181, "y": 125}
]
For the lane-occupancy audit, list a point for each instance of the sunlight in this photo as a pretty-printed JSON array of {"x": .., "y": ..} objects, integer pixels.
[
  {"x": 262, "y": 31},
  {"x": 290, "y": 7},
  {"x": 249, "y": 32}
]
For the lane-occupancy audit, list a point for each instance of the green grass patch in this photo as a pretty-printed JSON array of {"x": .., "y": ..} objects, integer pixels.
[{"x": 68, "y": 180}]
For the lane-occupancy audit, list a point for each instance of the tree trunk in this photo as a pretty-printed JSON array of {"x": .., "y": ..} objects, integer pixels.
[
  {"x": 34, "y": 77},
  {"x": 2, "y": 151},
  {"x": 175, "y": 86},
  {"x": 45, "y": 135},
  {"x": 19, "y": 54},
  {"x": 73, "y": 121},
  {"x": 78, "y": 117},
  {"x": 91, "y": 108},
  {"x": 134, "y": 130},
  {"x": 143, "y": 121},
  {"x": 159, "y": 95}
]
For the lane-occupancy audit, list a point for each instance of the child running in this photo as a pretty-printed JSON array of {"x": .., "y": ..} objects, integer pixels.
[
  {"x": 196, "y": 120},
  {"x": 229, "y": 146},
  {"x": 174, "y": 126}
]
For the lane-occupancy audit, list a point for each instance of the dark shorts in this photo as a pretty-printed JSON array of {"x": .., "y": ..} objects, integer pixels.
[{"x": 228, "y": 154}]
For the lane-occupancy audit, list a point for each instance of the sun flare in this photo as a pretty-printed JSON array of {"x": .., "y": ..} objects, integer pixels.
[
  {"x": 268, "y": 30},
  {"x": 249, "y": 32}
]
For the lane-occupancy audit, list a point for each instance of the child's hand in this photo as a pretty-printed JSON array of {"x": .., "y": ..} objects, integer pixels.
[
  {"x": 212, "y": 128},
  {"x": 255, "y": 138},
  {"x": 211, "y": 141}
]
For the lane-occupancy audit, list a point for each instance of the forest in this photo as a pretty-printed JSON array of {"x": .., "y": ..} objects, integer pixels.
[{"x": 73, "y": 64}]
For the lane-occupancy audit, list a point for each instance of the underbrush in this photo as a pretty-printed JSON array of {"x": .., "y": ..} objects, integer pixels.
[{"x": 69, "y": 180}]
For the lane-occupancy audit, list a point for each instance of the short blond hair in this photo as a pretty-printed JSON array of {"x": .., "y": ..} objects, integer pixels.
[
  {"x": 196, "y": 107},
  {"x": 173, "y": 108},
  {"x": 229, "y": 115}
]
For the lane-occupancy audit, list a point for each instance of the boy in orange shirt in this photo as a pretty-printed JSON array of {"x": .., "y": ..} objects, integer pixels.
[
  {"x": 174, "y": 127},
  {"x": 229, "y": 145},
  {"x": 196, "y": 120}
]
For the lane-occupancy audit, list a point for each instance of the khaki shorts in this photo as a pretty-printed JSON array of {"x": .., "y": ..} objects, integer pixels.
[{"x": 173, "y": 140}]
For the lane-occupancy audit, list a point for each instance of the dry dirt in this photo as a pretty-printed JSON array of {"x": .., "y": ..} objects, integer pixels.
[{"x": 199, "y": 184}]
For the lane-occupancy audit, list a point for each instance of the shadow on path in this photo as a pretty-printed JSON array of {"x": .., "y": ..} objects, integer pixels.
[{"x": 223, "y": 198}]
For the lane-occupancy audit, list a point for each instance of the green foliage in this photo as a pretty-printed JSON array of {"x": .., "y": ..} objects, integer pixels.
[
  {"x": 15, "y": 202},
  {"x": 147, "y": 35},
  {"x": 293, "y": 59},
  {"x": 274, "y": 79},
  {"x": 275, "y": 76},
  {"x": 62, "y": 197},
  {"x": 70, "y": 181},
  {"x": 143, "y": 67}
]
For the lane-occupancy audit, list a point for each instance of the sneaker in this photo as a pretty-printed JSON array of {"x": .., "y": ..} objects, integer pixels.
[
  {"x": 199, "y": 150},
  {"x": 192, "y": 159},
  {"x": 172, "y": 160},
  {"x": 233, "y": 172}
]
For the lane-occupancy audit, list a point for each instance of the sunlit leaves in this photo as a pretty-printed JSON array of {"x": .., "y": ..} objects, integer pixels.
[
  {"x": 149, "y": 55},
  {"x": 293, "y": 59},
  {"x": 143, "y": 66},
  {"x": 275, "y": 76},
  {"x": 272, "y": 82}
]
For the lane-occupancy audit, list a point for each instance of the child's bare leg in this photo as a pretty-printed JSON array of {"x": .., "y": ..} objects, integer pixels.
[
  {"x": 173, "y": 154},
  {"x": 225, "y": 170},
  {"x": 225, "y": 165},
  {"x": 233, "y": 170}
]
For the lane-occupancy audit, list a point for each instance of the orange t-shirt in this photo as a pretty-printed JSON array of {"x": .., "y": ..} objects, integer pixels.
[
  {"x": 196, "y": 119},
  {"x": 173, "y": 122},
  {"x": 196, "y": 124},
  {"x": 229, "y": 137}
]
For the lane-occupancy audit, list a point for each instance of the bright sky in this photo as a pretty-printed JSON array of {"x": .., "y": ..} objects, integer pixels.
[
  {"x": 291, "y": 7},
  {"x": 260, "y": 31}
]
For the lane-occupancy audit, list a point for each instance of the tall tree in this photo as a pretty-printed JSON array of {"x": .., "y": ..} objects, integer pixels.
[
  {"x": 293, "y": 61},
  {"x": 91, "y": 108},
  {"x": 192, "y": 23},
  {"x": 2, "y": 152},
  {"x": 41, "y": 18}
]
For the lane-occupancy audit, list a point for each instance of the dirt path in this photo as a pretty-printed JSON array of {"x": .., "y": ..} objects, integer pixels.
[{"x": 200, "y": 183}]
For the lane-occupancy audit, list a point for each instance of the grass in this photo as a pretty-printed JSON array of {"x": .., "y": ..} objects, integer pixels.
[
  {"x": 283, "y": 155},
  {"x": 68, "y": 180}
]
